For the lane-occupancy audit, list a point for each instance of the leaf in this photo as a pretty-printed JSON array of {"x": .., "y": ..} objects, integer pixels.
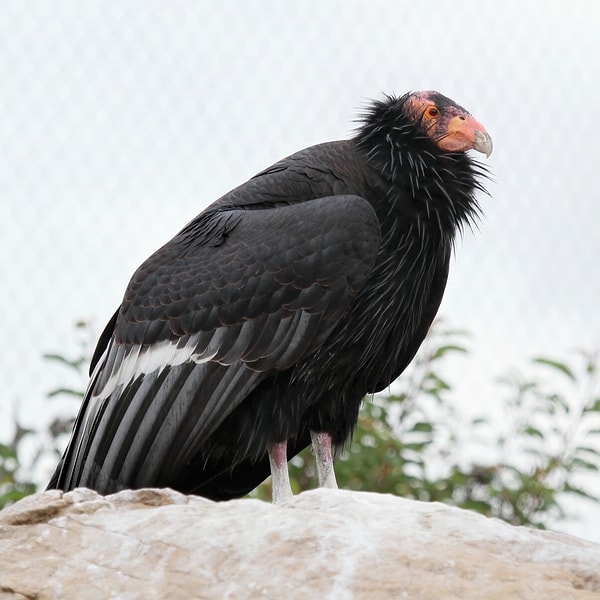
[
  {"x": 442, "y": 350},
  {"x": 423, "y": 426},
  {"x": 16, "y": 494},
  {"x": 480, "y": 506},
  {"x": 558, "y": 399},
  {"x": 68, "y": 391},
  {"x": 588, "y": 450},
  {"x": 533, "y": 451},
  {"x": 417, "y": 447},
  {"x": 72, "y": 364},
  {"x": 7, "y": 452},
  {"x": 451, "y": 332},
  {"x": 591, "y": 362},
  {"x": 579, "y": 492},
  {"x": 437, "y": 384},
  {"x": 555, "y": 365},
  {"x": 594, "y": 407},
  {"x": 395, "y": 398},
  {"x": 532, "y": 431},
  {"x": 583, "y": 465}
]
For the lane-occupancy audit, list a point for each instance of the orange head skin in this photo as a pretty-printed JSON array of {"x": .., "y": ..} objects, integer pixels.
[{"x": 449, "y": 125}]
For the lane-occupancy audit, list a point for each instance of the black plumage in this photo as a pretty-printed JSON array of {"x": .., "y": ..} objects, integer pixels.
[{"x": 271, "y": 315}]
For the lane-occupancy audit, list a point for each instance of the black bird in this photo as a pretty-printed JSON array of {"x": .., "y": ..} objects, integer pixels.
[{"x": 264, "y": 322}]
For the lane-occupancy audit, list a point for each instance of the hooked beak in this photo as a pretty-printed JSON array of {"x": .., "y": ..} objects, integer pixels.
[
  {"x": 466, "y": 133},
  {"x": 482, "y": 142}
]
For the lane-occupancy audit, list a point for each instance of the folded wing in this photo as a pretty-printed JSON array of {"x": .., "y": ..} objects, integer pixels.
[{"x": 236, "y": 296}]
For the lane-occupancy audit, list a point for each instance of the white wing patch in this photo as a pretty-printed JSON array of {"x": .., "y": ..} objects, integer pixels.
[
  {"x": 121, "y": 365},
  {"x": 141, "y": 360}
]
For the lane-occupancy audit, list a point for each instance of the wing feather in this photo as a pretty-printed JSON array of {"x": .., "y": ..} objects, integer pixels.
[{"x": 237, "y": 296}]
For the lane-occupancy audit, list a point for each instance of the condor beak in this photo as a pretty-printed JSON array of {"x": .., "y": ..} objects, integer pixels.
[
  {"x": 482, "y": 142},
  {"x": 465, "y": 133}
]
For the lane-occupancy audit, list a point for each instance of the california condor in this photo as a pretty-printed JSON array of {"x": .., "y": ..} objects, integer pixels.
[{"x": 264, "y": 322}]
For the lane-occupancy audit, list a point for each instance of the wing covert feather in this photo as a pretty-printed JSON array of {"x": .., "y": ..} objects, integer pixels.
[{"x": 204, "y": 321}]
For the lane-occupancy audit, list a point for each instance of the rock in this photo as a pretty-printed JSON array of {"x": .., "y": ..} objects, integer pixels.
[{"x": 321, "y": 544}]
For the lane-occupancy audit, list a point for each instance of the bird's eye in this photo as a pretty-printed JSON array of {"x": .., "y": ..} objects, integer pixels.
[{"x": 432, "y": 111}]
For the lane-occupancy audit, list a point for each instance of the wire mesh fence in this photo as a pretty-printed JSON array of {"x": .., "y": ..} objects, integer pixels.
[{"x": 120, "y": 123}]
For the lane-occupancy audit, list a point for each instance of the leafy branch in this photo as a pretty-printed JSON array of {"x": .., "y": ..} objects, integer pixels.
[{"x": 407, "y": 442}]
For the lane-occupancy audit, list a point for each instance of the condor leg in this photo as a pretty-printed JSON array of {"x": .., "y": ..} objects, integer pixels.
[
  {"x": 323, "y": 448},
  {"x": 282, "y": 490}
]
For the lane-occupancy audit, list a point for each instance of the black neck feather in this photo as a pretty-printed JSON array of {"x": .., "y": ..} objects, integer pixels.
[{"x": 436, "y": 187}]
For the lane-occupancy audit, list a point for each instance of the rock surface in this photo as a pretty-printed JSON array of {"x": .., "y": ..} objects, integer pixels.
[{"x": 321, "y": 544}]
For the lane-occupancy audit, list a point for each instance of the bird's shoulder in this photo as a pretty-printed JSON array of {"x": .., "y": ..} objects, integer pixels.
[{"x": 330, "y": 168}]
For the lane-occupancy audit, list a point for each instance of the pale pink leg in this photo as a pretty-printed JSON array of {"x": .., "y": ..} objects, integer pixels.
[
  {"x": 282, "y": 490},
  {"x": 324, "y": 454}
]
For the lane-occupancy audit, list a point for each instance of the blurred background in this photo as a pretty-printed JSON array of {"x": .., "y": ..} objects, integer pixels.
[{"x": 119, "y": 122}]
